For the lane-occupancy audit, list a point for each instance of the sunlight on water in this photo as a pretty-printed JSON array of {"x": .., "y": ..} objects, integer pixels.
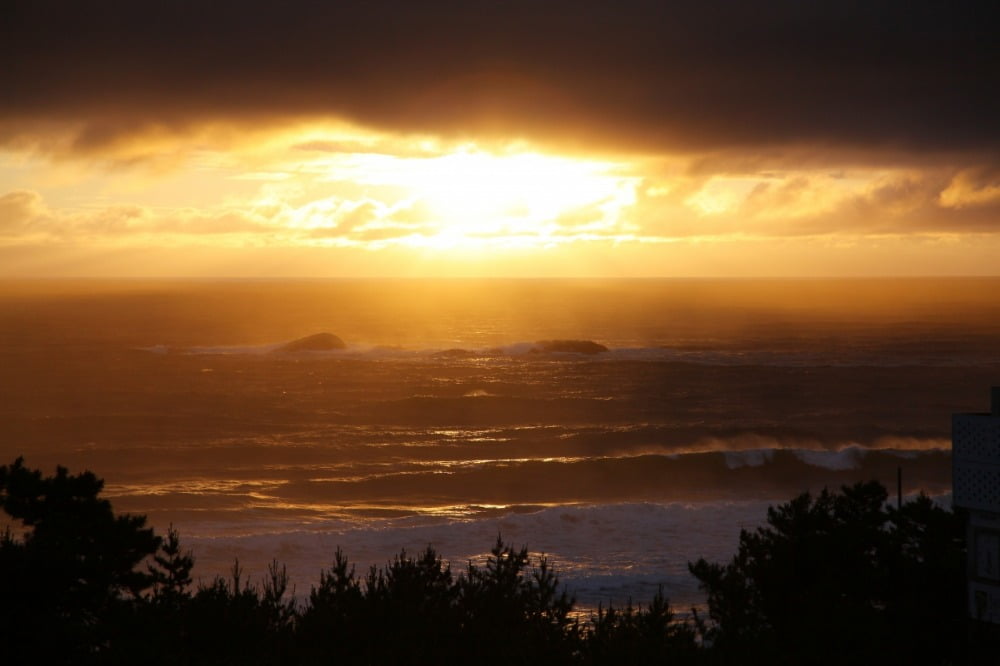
[{"x": 460, "y": 410}]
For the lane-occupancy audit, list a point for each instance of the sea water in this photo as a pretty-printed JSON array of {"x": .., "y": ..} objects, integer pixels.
[{"x": 447, "y": 420}]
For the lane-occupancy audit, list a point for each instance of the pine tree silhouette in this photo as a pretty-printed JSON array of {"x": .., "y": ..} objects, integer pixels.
[
  {"x": 72, "y": 569},
  {"x": 841, "y": 578}
]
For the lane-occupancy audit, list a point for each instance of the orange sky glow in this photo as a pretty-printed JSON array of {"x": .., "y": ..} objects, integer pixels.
[{"x": 504, "y": 166}]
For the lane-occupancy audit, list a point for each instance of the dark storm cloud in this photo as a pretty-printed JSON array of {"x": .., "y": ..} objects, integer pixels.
[{"x": 910, "y": 76}]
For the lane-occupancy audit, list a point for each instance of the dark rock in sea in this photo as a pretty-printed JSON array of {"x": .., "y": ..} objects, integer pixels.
[
  {"x": 317, "y": 342},
  {"x": 571, "y": 346}
]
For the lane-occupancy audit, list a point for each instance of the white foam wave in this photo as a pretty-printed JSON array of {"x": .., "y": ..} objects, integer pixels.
[
  {"x": 748, "y": 458},
  {"x": 846, "y": 458},
  {"x": 479, "y": 393}
]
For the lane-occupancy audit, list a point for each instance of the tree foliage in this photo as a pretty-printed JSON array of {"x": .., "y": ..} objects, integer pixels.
[
  {"x": 830, "y": 579},
  {"x": 81, "y": 585},
  {"x": 841, "y": 578},
  {"x": 634, "y": 635},
  {"x": 73, "y": 569}
]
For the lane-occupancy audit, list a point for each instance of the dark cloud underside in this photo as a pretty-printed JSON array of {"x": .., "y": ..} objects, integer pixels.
[{"x": 914, "y": 76}]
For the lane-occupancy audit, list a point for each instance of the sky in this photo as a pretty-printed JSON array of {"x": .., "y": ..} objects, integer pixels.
[{"x": 498, "y": 138}]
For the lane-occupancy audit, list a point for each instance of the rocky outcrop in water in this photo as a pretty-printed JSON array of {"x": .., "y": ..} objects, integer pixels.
[
  {"x": 570, "y": 346},
  {"x": 317, "y": 342}
]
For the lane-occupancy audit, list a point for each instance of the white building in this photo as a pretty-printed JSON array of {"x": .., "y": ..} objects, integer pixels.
[{"x": 975, "y": 455}]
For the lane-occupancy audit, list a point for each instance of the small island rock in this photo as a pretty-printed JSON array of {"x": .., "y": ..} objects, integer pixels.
[
  {"x": 571, "y": 346},
  {"x": 317, "y": 342}
]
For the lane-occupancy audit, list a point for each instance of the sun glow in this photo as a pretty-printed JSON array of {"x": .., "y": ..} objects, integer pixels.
[
  {"x": 472, "y": 197},
  {"x": 473, "y": 190}
]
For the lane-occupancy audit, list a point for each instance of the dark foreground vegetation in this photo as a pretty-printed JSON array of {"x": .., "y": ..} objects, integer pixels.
[{"x": 840, "y": 578}]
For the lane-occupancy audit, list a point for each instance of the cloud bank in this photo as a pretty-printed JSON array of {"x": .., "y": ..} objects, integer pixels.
[{"x": 901, "y": 78}]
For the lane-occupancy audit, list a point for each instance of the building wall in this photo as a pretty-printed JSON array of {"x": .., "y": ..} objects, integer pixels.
[{"x": 976, "y": 487}]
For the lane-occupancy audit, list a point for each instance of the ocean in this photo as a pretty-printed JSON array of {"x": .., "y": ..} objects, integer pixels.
[{"x": 451, "y": 417}]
